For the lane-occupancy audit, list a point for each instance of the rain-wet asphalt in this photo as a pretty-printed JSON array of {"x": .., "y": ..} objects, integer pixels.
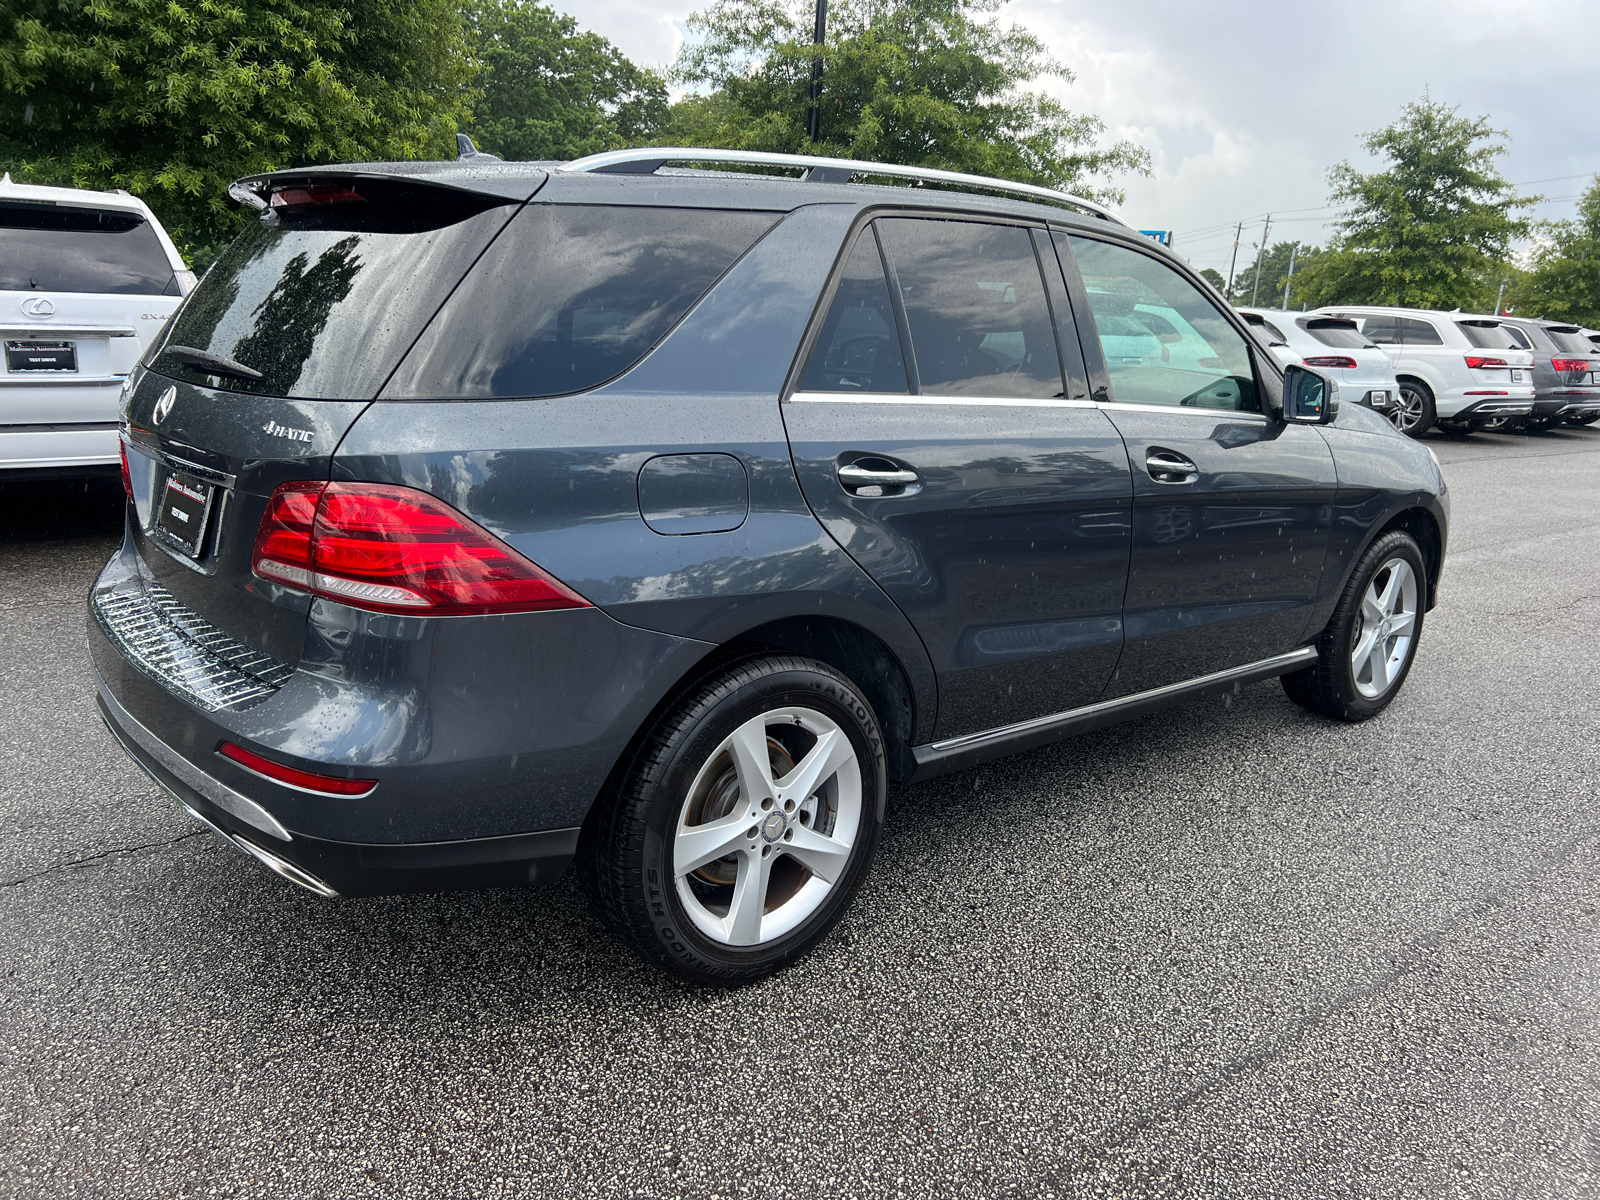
[{"x": 1231, "y": 950}]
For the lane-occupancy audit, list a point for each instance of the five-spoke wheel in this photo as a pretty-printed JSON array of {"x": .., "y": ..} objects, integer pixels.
[
  {"x": 1383, "y": 628},
  {"x": 745, "y": 824}
]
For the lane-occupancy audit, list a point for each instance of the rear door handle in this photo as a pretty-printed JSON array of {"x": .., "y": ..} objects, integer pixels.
[
  {"x": 1167, "y": 467},
  {"x": 871, "y": 481}
]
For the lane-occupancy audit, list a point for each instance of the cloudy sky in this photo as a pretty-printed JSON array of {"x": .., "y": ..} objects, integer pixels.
[{"x": 1244, "y": 105}]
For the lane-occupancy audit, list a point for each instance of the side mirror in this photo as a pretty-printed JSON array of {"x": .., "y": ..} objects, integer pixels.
[{"x": 1309, "y": 398}]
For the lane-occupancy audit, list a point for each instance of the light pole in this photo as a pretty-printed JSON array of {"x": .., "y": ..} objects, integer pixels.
[
  {"x": 1294, "y": 250},
  {"x": 1498, "y": 299},
  {"x": 819, "y": 33},
  {"x": 1260, "y": 258},
  {"x": 1233, "y": 262}
]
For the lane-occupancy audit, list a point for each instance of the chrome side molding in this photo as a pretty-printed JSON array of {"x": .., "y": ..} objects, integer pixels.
[{"x": 970, "y": 749}]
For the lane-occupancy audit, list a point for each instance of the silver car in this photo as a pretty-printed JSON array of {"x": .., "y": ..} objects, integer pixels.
[{"x": 1334, "y": 345}]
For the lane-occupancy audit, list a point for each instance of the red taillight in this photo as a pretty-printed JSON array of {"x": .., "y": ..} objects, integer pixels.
[
  {"x": 1478, "y": 364},
  {"x": 127, "y": 475},
  {"x": 316, "y": 193},
  {"x": 1332, "y": 360},
  {"x": 395, "y": 549},
  {"x": 306, "y": 781},
  {"x": 1569, "y": 364}
]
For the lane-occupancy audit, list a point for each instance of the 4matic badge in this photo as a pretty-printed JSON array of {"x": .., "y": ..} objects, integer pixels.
[{"x": 283, "y": 431}]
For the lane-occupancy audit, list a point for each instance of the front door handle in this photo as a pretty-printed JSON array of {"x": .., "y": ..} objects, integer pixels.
[
  {"x": 877, "y": 481},
  {"x": 1165, "y": 466}
]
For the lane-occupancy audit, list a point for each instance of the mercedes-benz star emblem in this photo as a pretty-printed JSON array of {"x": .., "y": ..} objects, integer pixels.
[
  {"x": 772, "y": 828},
  {"x": 38, "y": 306},
  {"x": 164, "y": 405}
]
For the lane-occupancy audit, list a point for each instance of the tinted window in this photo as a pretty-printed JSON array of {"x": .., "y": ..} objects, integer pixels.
[
  {"x": 1519, "y": 337},
  {"x": 975, "y": 304},
  {"x": 1344, "y": 335},
  {"x": 1209, "y": 364},
  {"x": 570, "y": 296},
  {"x": 1417, "y": 333},
  {"x": 1381, "y": 330},
  {"x": 1273, "y": 332},
  {"x": 1489, "y": 337},
  {"x": 56, "y": 248},
  {"x": 323, "y": 300},
  {"x": 859, "y": 348},
  {"x": 1570, "y": 341}
]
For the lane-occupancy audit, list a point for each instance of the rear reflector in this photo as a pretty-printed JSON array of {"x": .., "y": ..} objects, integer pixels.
[
  {"x": 1569, "y": 364},
  {"x": 1478, "y": 364},
  {"x": 127, "y": 475},
  {"x": 1485, "y": 393},
  {"x": 1331, "y": 360},
  {"x": 306, "y": 781},
  {"x": 396, "y": 549}
]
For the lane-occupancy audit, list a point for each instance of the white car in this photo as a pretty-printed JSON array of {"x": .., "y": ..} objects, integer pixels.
[
  {"x": 1453, "y": 369},
  {"x": 87, "y": 279},
  {"x": 1334, "y": 345}
]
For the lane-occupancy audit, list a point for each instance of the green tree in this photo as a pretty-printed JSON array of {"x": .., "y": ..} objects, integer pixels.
[
  {"x": 1274, "y": 267},
  {"x": 174, "y": 99},
  {"x": 1214, "y": 277},
  {"x": 549, "y": 91},
  {"x": 936, "y": 83},
  {"x": 1431, "y": 230},
  {"x": 1564, "y": 283}
]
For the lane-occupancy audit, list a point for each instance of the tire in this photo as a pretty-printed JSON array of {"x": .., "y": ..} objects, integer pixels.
[
  {"x": 1413, "y": 412},
  {"x": 1343, "y": 682},
  {"x": 1456, "y": 429},
  {"x": 1588, "y": 420},
  {"x": 695, "y": 768},
  {"x": 1539, "y": 424}
]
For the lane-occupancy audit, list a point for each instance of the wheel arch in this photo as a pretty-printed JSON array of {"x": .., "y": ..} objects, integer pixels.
[{"x": 1425, "y": 529}]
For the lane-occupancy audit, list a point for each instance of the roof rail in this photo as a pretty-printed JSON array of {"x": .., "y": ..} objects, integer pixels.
[{"x": 646, "y": 160}]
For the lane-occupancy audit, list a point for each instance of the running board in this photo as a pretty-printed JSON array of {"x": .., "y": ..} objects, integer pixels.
[{"x": 954, "y": 754}]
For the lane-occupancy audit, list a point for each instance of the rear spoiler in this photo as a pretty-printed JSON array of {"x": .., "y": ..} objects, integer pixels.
[{"x": 480, "y": 175}]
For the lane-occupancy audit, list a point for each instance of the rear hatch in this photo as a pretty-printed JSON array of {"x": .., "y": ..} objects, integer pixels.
[
  {"x": 1497, "y": 359},
  {"x": 1361, "y": 367},
  {"x": 291, "y": 334},
  {"x": 83, "y": 290},
  {"x": 1577, "y": 357}
]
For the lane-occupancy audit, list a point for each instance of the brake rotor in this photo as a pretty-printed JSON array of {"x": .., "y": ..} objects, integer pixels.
[{"x": 719, "y": 797}]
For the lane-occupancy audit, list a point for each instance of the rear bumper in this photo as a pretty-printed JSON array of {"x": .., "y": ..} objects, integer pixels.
[
  {"x": 1494, "y": 406},
  {"x": 59, "y": 449},
  {"x": 489, "y": 737}
]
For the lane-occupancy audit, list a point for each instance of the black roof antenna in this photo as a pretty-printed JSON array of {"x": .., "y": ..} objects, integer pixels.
[{"x": 466, "y": 150}]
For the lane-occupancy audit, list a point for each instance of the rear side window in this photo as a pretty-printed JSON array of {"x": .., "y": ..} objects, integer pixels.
[
  {"x": 324, "y": 295},
  {"x": 1272, "y": 331},
  {"x": 57, "y": 248},
  {"x": 1571, "y": 341},
  {"x": 975, "y": 306},
  {"x": 859, "y": 349},
  {"x": 570, "y": 296},
  {"x": 1489, "y": 337},
  {"x": 1342, "y": 335},
  {"x": 1381, "y": 330},
  {"x": 1417, "y": 333}
]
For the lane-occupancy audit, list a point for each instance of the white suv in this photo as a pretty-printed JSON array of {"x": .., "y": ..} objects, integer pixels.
[
  {"x": 1454, "y": 370},
  {"x": 1333, "y": 345},
  {"x": 87, "y": 279}
]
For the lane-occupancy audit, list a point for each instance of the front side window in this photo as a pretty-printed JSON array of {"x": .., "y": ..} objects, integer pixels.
[
  {"x": 975, "y": 305},
  {"x": 59, "y": 248},
  {"x": 1417, "y": 333},
  {"x": 569, "y": 296},
  {"x": 1136, "y": 300},
  {"x": 859, "y": 349}
]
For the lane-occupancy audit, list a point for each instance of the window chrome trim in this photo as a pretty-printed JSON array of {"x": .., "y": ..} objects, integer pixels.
[
  {"x": 950, "y": 401},
  {"x": 1187, "y": 409}
]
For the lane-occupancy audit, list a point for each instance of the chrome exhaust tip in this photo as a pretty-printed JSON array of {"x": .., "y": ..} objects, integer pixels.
[{"x": 278, "y": 866}]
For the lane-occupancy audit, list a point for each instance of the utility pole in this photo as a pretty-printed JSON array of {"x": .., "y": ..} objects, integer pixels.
[
  {"x": 1260, "y": 258},
  {"x": 1501, "y": 297},
  {"x": 1294, "y": 250},
  {"x": 1228, "y": 295},
  {"x": 813, "y": 119}
]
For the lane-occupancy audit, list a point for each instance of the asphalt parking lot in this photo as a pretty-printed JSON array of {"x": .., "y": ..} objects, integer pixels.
[{"x": 1229, "y": 950}]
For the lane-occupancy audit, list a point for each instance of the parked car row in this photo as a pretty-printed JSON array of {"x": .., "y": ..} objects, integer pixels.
[{"x": 1456, "y": 372}]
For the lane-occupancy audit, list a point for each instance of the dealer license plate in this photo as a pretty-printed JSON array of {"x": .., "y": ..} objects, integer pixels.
[
  {"x": 41, "y": 356},
  {"x": 185, "y": 504}
]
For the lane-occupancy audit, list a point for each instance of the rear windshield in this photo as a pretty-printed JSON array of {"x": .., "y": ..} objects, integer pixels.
[
  {"x": 571, "y": 296},
  {"x": 1342, "y": 337},
  {"x": 1488, "y": 337},
  {"x": 58, "y": 248},
  {"x": 323, "y": 298},
  {"x": 1572, "y": 342}
]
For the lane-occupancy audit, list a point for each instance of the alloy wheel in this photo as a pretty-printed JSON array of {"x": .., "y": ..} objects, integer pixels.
[
  {"x": 767, "y": 826},
  {"x": 1382, "y": 637},
  {"x": 1406, "y": 415}
]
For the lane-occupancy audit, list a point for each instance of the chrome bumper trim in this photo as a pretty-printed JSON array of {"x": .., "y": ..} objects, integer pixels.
[{"x": 125, "y": 727}]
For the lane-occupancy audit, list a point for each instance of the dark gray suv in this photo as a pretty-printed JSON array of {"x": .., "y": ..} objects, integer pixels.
[
  {"x": 487, "y": 516},
  {"x": 1566, "y": 372}
]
